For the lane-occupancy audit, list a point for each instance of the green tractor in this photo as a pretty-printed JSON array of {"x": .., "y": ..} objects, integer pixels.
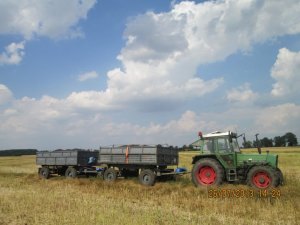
[{"x": 221, "y": 160}]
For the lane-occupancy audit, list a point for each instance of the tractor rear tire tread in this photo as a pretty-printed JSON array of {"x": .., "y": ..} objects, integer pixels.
[{"x": 213, "y": 163}]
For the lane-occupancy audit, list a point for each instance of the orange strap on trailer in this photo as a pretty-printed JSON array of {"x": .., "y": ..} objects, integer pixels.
[{"x": 126, "y": 154}]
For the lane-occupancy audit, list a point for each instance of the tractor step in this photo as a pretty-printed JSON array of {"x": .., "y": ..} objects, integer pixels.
[{"x": 231, "y": 175}]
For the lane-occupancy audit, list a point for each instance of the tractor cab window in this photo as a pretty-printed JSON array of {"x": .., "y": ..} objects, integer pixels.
[
  {"x": 208, "y": 146},
  {"x": 223, "y": 145},
  {"x": 235, "y": 145}
]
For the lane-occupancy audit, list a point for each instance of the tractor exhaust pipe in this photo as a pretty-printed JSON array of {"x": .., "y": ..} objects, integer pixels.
[{"x": 258, "y": 144}]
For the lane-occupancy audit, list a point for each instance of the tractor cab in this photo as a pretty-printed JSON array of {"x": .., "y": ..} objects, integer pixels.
[{"x": 217, "y": 143}]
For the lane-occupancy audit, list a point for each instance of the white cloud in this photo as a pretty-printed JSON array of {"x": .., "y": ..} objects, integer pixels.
[
  {"x": 286, "y": 72},
  {"x": 159, "y": 70},
  {"x": 279, "y": 119},
  {"x": 60, "y": 123},
  {"x": 54, "y": 19},
  {"x": 88, "y": 76},
  {"x": 31, "y": 18},
  {"x": 242, "y": 94},
  {"x": 5, "y": 94},
  {"x": 13, "y": 53},
  {"x": 164, "y": 50}
]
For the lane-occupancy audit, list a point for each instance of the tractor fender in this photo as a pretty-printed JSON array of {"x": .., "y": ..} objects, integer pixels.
[
  {"x": 197, "y": 157},
  {"x": 249, "y": 167}
]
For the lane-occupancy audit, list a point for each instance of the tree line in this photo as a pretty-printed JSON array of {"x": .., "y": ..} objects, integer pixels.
[
  {"x": 17, "y": 152},
  {"x": 288, "y": 139}
]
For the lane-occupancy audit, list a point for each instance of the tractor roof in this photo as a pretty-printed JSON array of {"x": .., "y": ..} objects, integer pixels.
[
  {"x": 218, "y": 134},
  {"x": 212, "y": 135}
]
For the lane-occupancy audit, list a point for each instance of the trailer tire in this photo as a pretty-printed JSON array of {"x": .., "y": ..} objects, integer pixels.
[
  {"x": 262, "y": 177},
  {"x": 147, "y": 177},
  {"x": 110, "y": 175},
  {"x": 44, "y": 172},
  {"x": 71, "y": 172},
  {"x": 207, "y": 172}
]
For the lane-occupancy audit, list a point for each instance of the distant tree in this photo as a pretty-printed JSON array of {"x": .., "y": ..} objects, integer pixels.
[
  {"x": 184, "y": 148},
  {"x": 266, "y": 142},
  {"x": 291, "y": 139},
  {"x": 247, "y": 144},
  {"x": 191, "y": 147},
  {"x": 279, "y": 141},
  {"x": 17, "y": 152}
]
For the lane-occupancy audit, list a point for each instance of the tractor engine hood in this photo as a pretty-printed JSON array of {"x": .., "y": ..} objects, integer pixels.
[{"x": 252, "y": 159}]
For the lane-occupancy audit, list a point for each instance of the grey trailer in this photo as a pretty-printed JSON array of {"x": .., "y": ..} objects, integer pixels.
[
  {"x": 66, "y": 162},
  {"x": 139, "y": 155},
  {"x": 145, "y": 161}
]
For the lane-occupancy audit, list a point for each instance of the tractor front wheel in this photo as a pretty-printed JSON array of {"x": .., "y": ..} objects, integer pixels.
[
  {"x": 262, "y": 177},
  {"x": 207, "y": 172}
]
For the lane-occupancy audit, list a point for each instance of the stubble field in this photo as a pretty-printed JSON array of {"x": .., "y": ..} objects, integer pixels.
[{"x": 26, "y": 199}]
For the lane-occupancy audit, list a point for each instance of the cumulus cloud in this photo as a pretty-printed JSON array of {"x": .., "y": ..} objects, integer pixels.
[
  {"x": 160, "y": 60},
  {"x": 32, "y": 18},
  {"x": 163, "y": 51},
  {"x": 5, "y": 94},
  {"x": 284, "y": 117},
  {"x": 60, "y": 123},
  {"x": 242, "y": 94},
  {"x": 35, "y": 122},
  {"x": 286, "y": 72},
  {"x": 88, "y": 76},
  {"x": 13, "y": 53},
  {"x": 54, "y": 19}
]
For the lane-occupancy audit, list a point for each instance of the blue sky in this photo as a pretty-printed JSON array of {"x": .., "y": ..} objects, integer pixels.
[{"x": 89, "y": 73}]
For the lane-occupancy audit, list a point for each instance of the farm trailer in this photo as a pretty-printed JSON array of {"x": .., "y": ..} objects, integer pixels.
[{"x": 142, "y": 161}]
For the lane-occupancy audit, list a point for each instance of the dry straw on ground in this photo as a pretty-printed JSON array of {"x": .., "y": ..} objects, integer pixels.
[{"x": 26, "y": 199}]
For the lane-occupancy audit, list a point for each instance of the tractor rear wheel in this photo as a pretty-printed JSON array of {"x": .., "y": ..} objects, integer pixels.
[
  {"x": 207, "y": 172},
  {"x": 262, "y": 177}
]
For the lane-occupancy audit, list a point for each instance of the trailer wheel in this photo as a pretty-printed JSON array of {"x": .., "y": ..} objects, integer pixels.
[
  {"x": 147, "y": 177},
  {"x": 110, "y": 175},
  {"x": 71, "y": 172},
  {"x": 44, "y": 172},
  {"x": 262, "y": 177},
  {"x": 207, "y": 172}
]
